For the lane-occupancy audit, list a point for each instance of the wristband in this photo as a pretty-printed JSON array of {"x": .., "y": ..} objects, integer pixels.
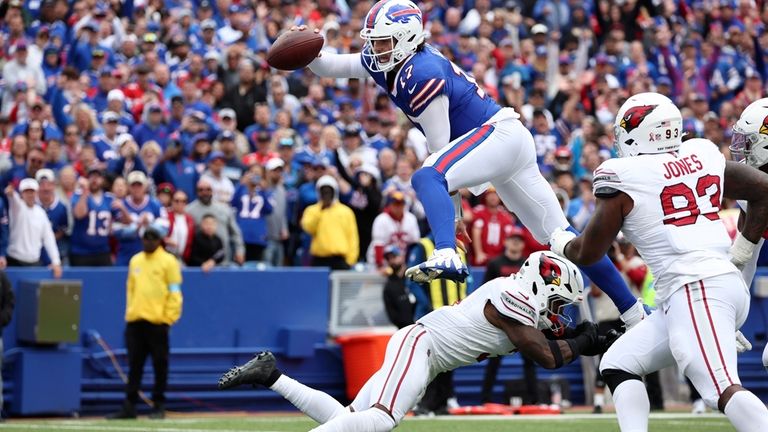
[
  {"x": 556, "y": 353},
  {"x": 742, "y": 249},
  {"x": 578, "y": 345}
]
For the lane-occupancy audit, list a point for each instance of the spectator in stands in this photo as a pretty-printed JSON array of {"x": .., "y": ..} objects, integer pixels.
[
  {"x": 223, "y": 189},
  {"x": 177, "y": 169},
  {"x": 143, "y": 211},
  {"x": 228, "y": 122},
  {"x": 153, "y": 304},
  {"x": 164, "y": 194},
  {"x": 249, "y": 90},
  {"x": 332, "y": 225},
  {"x": 393, "y": 227},
  {"x": 226, "y": 226},
  {"x": 490, "y": 226},
  {"x": 127, "y": 159},
  {"x": 93, "y": 212},
  {"x": 207, "y": 248},
  {"x": 264, "y": 149},
  {"x": 365, "y": 199},
  {"x": 252, "y": 204},
  {"x": 402, "y": 182},
  {"x": 398, "y": 301},
  {"x": 7, "y": 303},
  {"x": 35, "y": 162},
  {"x": 181, "y": 228},
  {"x": 19, "y": 69},
  {"x": 233, "y": 166},
  {"x": 67, "y": 185},
  {"x": 352, "y": 146},
  {"x": 277, "y": 221},
  {"x": 30, "y": 229},
  {"x": 152, "y": 126},
  {"x": 150, "y": 155},
  {"x": 58, "y": 214}
]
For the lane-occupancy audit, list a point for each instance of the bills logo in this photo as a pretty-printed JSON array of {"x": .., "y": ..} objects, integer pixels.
[
  {"x": 403, "y": 13},
  {"x": 634, "y": 116},
  {"x": 764, "y": 127},
  {"x": 549, "y": 271}
]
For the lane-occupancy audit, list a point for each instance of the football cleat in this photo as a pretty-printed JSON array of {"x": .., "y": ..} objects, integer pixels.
[
  {"x": 444, "y": 263},
  {"x": 256, "y": 371}
]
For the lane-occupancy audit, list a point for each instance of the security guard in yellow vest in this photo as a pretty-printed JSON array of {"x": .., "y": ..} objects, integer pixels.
[{"x": 431, "y": 296}]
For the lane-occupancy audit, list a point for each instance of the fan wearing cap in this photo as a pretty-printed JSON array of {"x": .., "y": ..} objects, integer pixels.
[
  {"x": 252, "y": 204},
  {"x": 228, "y": 122},
  {"x": 352, "y": 146},
  {"x": 264, "y": 150},
  {"x": 177, "y": 169},
  {"x": 372, "y": 136},
  {"x": 116, "y": 104},
  {"x": 93, "y": 212},
  {"x": 398, "y": 300},
  {"x": 30, "y": 229},
  {"x": 152, "y": 126},
  {"x": 58, "y": 213},
  {"x": 19, "y": 68},
  {"x": 393, "y": 227},
  {"x": 105, "y": 142},
  {"x": 143, "y": 211},
  {"x": 223, "y": 189},
  {"x": 105, "y": 79},
  {"x": 234, "y": 167}
]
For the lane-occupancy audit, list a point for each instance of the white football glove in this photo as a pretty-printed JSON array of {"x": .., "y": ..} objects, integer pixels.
[
  {"x": 634, "y": 315},
  {"x": 742, "y": 343},
  {"x": 741, "y": 251},
  {"x": 559, "y": 239}
]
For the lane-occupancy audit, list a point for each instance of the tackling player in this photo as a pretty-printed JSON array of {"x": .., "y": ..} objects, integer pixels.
[
  {"x": 474, "y": 142},
  {"x": 664, "y": 196},
  {"x": 749, "y": 144},
  {"x": 500, "y": 317}
]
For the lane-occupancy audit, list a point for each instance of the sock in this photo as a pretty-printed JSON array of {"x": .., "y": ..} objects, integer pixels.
[
  {"x": 608, "y": 279},
  {"x": 746, "y": 412},
  {"x": 599, "y": 399},
  {"x": 370, "y": 420},
  {"x": 311, "y": 402},
  {"x": 632, "y": 406},
  {"x": 432, "y": 190}
]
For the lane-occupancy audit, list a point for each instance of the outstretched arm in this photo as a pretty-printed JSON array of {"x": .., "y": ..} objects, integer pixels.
[
  {"x": 606, "y": 222},
  {"x": 338, "y": 66},
  {"x": 746, "y": 183}
]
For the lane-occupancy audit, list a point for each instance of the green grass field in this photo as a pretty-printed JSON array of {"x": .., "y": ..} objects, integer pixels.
[{"x": 564, "y": 423}]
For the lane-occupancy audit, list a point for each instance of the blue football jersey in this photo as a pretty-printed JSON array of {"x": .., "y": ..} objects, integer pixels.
[
  {"x": 251, "y": 212},
  {"x": 129, "y": 241},
  {"x": 59, "y": 217},
  {"x": 428, "y": 74},
  {"x": 90, "y": 235}
]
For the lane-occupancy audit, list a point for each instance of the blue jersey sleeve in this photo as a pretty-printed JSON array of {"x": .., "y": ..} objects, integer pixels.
[{"x": 421, "y": 81}]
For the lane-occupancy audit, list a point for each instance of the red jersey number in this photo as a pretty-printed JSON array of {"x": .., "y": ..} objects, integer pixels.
[{"x": 681, "y": 190}]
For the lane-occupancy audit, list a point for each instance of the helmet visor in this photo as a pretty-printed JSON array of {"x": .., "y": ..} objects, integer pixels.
[
  {"x": 741, "y": 147},
  {"x": 555, "y": 314}
]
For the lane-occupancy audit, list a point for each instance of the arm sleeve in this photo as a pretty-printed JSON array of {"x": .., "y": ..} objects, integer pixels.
[
  {"x": 49, "y": 243},
  {"x": 513, "y": 303},
  {"x": 310, "y": 219},
  {"x": 339, "y": 66},
  {"x": 354, "y": 240},
  {"x": 434, "y": 120},
  {"x": 606, "y": 181},
  {"x": 174, "y": 300}
]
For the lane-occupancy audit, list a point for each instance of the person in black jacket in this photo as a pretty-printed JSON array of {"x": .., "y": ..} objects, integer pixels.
[
  {"x": 398, "y": 300},
  {"x": 7, "y": 301},
  {"x": 207, "y": 247}
]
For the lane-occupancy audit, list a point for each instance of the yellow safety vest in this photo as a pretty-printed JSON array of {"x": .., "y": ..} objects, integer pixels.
[
  {"x": 648, "y": 292},
  {"x": 443, "y": 292}
]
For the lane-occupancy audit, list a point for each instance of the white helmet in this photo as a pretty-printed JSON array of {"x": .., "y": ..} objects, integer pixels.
[
  {"x": 397, "y": 20},
  {"x": 555, "y": 283},
  {"x": 647, "y": 123},
  {"x": 750, "y": 135}
]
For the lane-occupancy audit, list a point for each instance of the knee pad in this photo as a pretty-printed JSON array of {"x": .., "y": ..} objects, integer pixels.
[
  {"x": 426, "y": 174},
  {"x": 614, "y": 377}
]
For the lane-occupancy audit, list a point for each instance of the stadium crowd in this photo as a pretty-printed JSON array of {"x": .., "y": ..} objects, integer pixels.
[{"x": 164, "y": 113}]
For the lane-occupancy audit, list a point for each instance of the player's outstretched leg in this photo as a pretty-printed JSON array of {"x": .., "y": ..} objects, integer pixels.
[
  {"x": 373, "y": 419},
  {"x": 605, "y": 275},
  {"x": 263, "y": 371},
  {"x": 432, "y": 190}
]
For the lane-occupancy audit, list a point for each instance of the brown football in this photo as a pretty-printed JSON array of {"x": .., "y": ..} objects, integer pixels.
[{"x": 294, "y": 49}]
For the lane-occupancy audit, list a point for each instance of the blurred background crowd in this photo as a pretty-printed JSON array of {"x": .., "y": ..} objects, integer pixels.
[{"x": 165, "y": 113}]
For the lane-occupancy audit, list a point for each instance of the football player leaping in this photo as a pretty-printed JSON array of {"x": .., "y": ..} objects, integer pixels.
[
  {"x": 473, "y": 141},
  {"x": 749, "y": 144},
  {"x": 664, "y": 196},
  {"x": 500, "y": 317}
]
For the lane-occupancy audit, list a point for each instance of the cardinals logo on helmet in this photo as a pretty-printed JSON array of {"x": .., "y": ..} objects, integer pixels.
[
  {"x": 764, "y": 128},
  {"x": 549, "y": 271},
  {"x": 634, "y": 116}
]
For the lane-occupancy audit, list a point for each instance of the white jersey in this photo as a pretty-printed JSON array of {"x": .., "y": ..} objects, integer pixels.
[
  {"x": 674, "y": 223},
  {"x": 461, "y": 335}
]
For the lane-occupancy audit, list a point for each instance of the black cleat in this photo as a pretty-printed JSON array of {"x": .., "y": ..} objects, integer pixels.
[
  {"x": 128, "y": 411},
  {"x": 257, "y": 371}
]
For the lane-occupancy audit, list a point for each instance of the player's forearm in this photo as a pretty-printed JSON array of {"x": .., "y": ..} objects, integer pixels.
[
  {"x": 338, "y": 66},
  {"x": 746, "y": 183}
]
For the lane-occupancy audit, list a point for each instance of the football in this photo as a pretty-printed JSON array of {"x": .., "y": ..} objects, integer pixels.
[{"x": 294, "y": 49}]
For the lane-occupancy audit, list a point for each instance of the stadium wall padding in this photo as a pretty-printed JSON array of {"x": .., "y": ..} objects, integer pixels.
[{"x": 228, "y": 315}]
